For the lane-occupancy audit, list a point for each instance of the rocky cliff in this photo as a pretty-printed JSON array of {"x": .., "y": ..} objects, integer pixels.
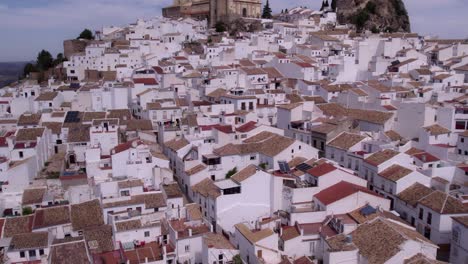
[{"x": 374, "y": 15}]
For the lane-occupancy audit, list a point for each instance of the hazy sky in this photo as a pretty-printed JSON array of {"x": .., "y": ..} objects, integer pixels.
[{"x": 27, "y": 26}]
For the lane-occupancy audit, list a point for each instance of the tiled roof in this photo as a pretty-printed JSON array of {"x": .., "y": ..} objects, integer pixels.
[
  {"x": 176, "y": 143},
  {"x": 414, "y": 193},
  {"x": 206, "y": 188},
  {"x": 33, "y": 196},
  {"x": 47, "y": 96},
  {"x": 86, "y": 215},
  {"x": 321, "y": 169},
  {"x": 253, "y": 236},
  {"x": 395, "y": 172},
  {"x": 17, "y": 225},
  {"x": 29, "y": 119},
  {"x": 340, "y": 191},
  {"x": 267, "y": 143},
  {"x": 245, "y": 173},
  {"x": 393, "y": 135},
  {"x": 29, "y": 134},
  {"x": 102, "y": 238},
  {"x": 196, "y": 169},
  {"x": 61, "y": 253},
  {"x": 130, "y": 183},
  {"x": 52, "y": 216},
  {"x": 381, "y": 157},
  {"x": 289, "y": 232},
  {"x": 150, "y": 200},
  {"x": 172, "y": 190},
  {"x": 462, "y": 220},
  {"x": 30, "y": 241},
  {"x": 426, "y": 157},
  {"x": 218, "y": 241},
  {"x": 381, "y": 239},
  {"x": 436, "y": 129},
  {"x": 55, "y": 127},
  {"x": 346, "y": 140},
  {"x": 444, "y": 203}
]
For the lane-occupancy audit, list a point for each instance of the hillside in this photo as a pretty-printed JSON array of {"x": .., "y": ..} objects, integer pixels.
[
  {"x": 375, "y": 15},
  {"x": 9, "y": 72}
]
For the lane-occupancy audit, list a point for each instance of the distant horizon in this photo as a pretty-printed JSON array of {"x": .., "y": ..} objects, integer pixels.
[{"x": 49, "y": 22}]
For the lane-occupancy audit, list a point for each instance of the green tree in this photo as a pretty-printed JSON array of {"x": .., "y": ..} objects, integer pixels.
[
  {"x": 220, "y": 27},
  {"x": 333, "y": 5},
  {"x": 237, "y": 259},
  {"x": 60, "y": 58},
  {"x": 44, "y": 60},
  {"x": 86, "y": 34},
  {"x": 27, "y": 210},
  {"x": 371, "y": 7},
  {"x": 28, "y": 68},
  {"x": 360, "y": 19},
  {"x": 267, "y": 10},
  {"x": 231, "y": 172}
]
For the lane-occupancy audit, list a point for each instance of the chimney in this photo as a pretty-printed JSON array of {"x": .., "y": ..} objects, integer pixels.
[
  {"x": 424, "y": 158},
  {"x": 259, "y": 254}
]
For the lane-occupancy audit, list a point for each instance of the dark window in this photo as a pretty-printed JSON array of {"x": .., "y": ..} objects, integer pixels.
[
  {"x": 213, "y": 177},
  {"x": 147, "y": 233},
  {"x": 427, "y": 232},
  {"x": 460, "y": 125},
  {"x": 22, "y": 254},
  {"x": 421, "y": 213},
  {"x": 21, "y": 155},
  {"x": 462, "y": 140},
  {"x": 429, "y": 218},
  {"x": 41, "y": 252},
  {"x": 32, "y": 253}
]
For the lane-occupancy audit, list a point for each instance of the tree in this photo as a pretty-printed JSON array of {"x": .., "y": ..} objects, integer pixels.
[
  {"x": 267, "y": 10},
  {"x": 231, "y": 172},
  {"x": 333, "y": 5},
  {"x": 44, "y": 60},
  {"x": 86, "y": 34},
  {"x": 60, "y": 58},
  {"x": 28, "y": 68},
  {"x": 220, "y": 27},
  {"x": 286, "y": 10},
  {"x": 237, "y": 259},
  {"x": 27, "y": 210}
]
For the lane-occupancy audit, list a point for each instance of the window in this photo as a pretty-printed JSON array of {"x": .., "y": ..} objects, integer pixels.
[
  {"x": 213, "y": 177},
  {"x": 421, "y": 213},
  {"x": 21, "y": 155},
  {"x": 187, "y": 248},
  {"x": 147, "y": 233},
  {"x": 429, "y": 218},
  {"x": 427, "y": 232},
  {"x": 22, "y": 255},
  {"x": 413, "y": 221},
  {"x": 253, "y": 157},
  {"x": 41, "y": 252},
  {"x": 125, "y": 193},
  {"x": 32, "y": 253},
  {"x": 220, "y": 257},
  {"x": 462, "y": 140}
]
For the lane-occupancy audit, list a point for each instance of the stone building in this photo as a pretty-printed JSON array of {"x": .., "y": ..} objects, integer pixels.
[{"x": 214, "y": 10}]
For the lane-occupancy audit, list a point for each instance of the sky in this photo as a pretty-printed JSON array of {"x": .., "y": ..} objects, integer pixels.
[{"x": 28, "y": 26}]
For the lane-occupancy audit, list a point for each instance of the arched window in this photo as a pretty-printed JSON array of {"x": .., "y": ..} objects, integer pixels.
[{"x": 244, "y": 12}]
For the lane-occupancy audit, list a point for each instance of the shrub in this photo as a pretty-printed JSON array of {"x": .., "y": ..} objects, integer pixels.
[
  {"x": 231, "y": 172},
  {"x": 27, "y": 210}
]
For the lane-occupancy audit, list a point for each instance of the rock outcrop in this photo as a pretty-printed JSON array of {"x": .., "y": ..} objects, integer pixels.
[{"x": 374, "y": 15}]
